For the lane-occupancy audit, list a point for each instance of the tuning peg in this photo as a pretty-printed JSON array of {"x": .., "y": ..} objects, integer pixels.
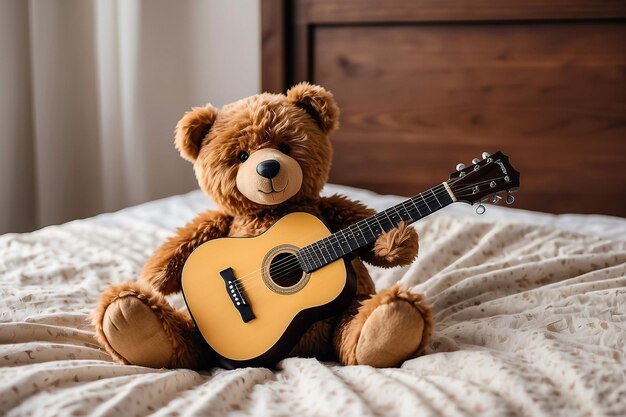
[
  {"x": 495, "y": 199},
  {"x": 460, "y": 167},
  {"x": 509, "y": 199},
  {"x": 480, "y": 209},
  {"x": 485, "y": 155},
  {"x": 475, "y": 161}
]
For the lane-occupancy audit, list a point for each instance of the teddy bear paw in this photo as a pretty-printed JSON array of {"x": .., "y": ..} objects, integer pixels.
[
  {"x": 398, "y": 246},
  {"x": 134, "y": 332},
  {"x": 390, "y": 335}
]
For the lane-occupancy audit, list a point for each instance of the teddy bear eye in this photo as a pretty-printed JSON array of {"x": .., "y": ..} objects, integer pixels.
[
  {"x": 284, "y": 148},
  {"x": 243, "y": 156}
]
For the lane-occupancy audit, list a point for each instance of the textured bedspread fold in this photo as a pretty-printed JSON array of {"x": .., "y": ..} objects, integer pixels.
[{"x": 530, "y": 321}]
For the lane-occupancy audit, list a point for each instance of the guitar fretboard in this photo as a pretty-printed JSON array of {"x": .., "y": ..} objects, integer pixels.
[{"x": 366, "y": 231}]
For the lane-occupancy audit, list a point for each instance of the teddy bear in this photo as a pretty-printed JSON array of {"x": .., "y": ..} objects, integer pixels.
[{"x": 259, "y": 159}]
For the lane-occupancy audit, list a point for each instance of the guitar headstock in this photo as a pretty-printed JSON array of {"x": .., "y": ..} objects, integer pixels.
[{"x": 484, "y": 179}]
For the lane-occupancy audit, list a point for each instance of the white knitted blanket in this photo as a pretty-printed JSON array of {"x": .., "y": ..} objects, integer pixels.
[{"x": 530, "y": 321}]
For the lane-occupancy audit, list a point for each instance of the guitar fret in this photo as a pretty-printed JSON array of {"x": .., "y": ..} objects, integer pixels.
[
  {"x": 416, "y": 208},
  {"x": 347, "y": 240},
  {"x": 393, "y": 220},
  {"x": 333, "y": 246},
  {"x": 424, "y": 200},
  {"x": 328, "y": 252},
  {"x": 378, "y": 221},
  {"x": 399, "y": 208},
  {"x": 355, "y": 238},
  {"x": 348, "y": 236},
  {"x": 302, "y": 258},
  {"x": 308, "y": 256},
  {"x": 362, "y": 234},
  {"x": 316, "y": 253},
  {"x": 322, "y": 253},
  {"x": 436, "y": 197},
  {"x": 340, "y": 240},
  {"x": 395, "y": 208},
  {"x": 408, "y": 213},
  {"x": 388, "y": 218},
  {"x": 368, "y": 226},
  {"x": 359, "y": 233},
  {"x": 313, "y": 256},
  {"x": 340, "y": 245},
  {"x": 387, "y": 223},
  {"x": 407, "y": 216}
]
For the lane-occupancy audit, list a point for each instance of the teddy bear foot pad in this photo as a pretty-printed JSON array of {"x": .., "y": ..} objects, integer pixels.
[{"x": 134, "y": 332}]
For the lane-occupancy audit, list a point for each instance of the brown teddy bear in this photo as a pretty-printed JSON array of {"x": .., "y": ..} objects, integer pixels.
[{"x": 228, "y": 147}]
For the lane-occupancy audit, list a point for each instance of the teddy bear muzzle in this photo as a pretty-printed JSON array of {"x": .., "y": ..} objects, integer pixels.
[{"x": 269, "y": 177}]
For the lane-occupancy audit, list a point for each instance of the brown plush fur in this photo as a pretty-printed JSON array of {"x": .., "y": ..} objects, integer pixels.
[
  {"x": 370, "y": 332},
  {"x": 168, "y": 261},
  {"x": 347, "y": 335},
  {"x": 192, "y": 129},
  {"x": 177, "y": 326}
]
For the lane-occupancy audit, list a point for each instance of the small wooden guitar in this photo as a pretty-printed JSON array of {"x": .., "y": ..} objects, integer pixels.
[{"x": 253, "y": 298}]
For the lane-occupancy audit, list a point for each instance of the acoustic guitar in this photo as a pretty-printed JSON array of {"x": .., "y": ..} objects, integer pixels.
[{"x": 253, "y": 298}]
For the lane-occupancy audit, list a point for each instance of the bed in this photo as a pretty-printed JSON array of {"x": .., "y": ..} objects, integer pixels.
[{"x": 528, "y": 306}]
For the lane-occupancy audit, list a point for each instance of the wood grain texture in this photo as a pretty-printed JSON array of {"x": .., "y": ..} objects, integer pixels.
[
  {"x": 375, "y": 11},
  {"x": 555, "y": 102},
  {"x": 422, "y": 93},
  {"x": 273, "y": 43}
]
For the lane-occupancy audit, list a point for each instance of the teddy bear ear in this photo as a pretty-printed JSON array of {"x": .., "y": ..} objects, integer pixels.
[
  {"x": 317, "y": 102},
  {"x": 192, "y": 129}
]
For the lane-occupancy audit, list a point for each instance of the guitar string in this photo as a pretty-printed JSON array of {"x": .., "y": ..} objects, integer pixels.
[
  {"x": 293, "y": 261},
  {"x": 281, "y": 274},
  {"x": 295, "y": 267},
  {"x": 292, "y": 264}
]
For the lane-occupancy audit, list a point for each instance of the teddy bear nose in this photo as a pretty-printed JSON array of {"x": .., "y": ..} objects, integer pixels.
[{"x": 268, "y": 169}]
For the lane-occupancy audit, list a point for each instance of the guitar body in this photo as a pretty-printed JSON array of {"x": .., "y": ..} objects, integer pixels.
[{"x": 250, "y": 300}]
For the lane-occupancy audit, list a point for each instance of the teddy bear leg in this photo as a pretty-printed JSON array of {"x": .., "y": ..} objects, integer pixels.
[
  {"x": 137, "y": 326},
  {"x": 387, "y": 328}
]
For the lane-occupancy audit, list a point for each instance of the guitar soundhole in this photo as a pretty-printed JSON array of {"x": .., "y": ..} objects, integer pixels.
[
  {"x": 285, "y": 270},
  {"x": 282, "y": 272}
]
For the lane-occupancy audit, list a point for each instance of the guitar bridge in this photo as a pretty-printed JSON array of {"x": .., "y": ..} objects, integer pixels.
[{"x": 237, "y": 297}]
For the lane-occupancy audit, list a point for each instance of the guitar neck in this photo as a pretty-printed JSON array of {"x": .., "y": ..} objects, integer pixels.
[{"x": 366, "y": 231}]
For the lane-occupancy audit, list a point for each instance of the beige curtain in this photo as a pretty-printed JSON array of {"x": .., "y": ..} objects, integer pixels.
[{"x": 90, "y": 92}]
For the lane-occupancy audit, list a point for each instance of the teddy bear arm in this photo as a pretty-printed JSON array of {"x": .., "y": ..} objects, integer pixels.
[
  {"x": 340, "y": 212},
  {"x": 396, "y": 247},
  {"x": 163, "y": 270}
]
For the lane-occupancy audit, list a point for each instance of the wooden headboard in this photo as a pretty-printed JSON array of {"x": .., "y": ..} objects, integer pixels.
[{"x": 424, "y": 84}]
